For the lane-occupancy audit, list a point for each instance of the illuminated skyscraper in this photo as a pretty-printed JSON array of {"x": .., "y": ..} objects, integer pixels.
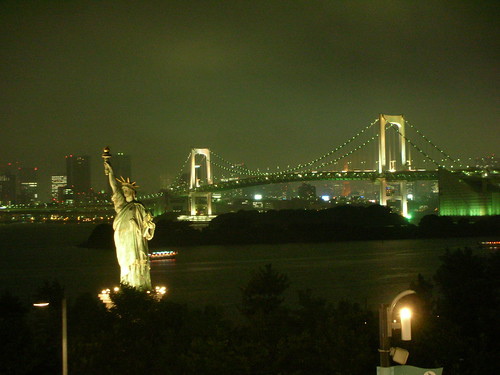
[
  {"x": 78, "y": 173},
  {"x": 28, "y": 185},
  {"x": 9, "y": 181},
  {"x": 18, "y": 184},
  {"x": 58, "y": 183},
  {"x": 7, "y": 188}
]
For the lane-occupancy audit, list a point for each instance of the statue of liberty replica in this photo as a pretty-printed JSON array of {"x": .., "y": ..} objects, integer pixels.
[{"x": 133, "y": 226}]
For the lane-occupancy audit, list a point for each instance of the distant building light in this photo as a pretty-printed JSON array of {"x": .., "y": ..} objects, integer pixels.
[
  {"x": 325, "y": 198},
  {"x": 257, "y": 197},
  {"x": 410, "y": 196}
]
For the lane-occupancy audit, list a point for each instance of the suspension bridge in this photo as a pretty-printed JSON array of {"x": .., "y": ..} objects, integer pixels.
[{"x": 389, "y": 151}]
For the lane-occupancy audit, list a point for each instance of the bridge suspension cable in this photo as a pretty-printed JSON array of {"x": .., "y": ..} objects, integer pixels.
[
  {"x": 177, "y": 179},
  {"x": 233, "y": 166},
  {"x": 320, "y": 162},
  {"x": 329, "y": 153},
  {"x": 349, "y": 152},
  {"x": 430, "y": 142},
  {"x": 417, "y": 148},
  {"x": 232, "y": 170}
]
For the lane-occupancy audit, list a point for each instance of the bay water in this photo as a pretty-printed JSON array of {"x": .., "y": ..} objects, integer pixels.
[{"x": 367, "y": 272}]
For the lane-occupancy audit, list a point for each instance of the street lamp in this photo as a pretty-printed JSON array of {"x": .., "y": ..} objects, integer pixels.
[
  {"x": 386, "y": 325},
  {"x": 64, "y": 333}
]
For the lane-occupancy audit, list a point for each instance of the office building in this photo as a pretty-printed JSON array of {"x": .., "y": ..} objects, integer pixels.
[
  {"x": 78, "y": 173},
  {"x": 57, "y": 184},
  {"x": 28, "y": 185},
  {"x": 18, "y": 185}
]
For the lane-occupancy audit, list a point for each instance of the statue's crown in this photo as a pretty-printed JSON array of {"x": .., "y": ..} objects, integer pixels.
[{"x": 127, "y": 183}]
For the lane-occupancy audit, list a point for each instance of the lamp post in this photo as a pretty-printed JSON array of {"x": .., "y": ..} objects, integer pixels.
[
  {"x": 386, "y": 326},
  {"x": 64, "y": 342}
]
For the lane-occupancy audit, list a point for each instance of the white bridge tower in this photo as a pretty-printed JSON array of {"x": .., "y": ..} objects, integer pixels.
[
  {"x": 395, "y": 163},
  {"x": 200, "y": 203}
]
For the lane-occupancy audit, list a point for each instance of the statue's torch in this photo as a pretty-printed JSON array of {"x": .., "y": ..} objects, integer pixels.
[{"x": 106, "y": 156}]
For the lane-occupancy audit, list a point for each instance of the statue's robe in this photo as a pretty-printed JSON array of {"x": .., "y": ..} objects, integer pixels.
[{"x": 133, "y": 228}]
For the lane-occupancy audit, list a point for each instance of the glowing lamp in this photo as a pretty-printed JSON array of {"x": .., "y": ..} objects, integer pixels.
[{"x": 405, "y": 314}]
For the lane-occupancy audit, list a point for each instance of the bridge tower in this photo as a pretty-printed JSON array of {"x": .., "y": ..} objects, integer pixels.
[
  {"x": 198, "y": 177},
  {"x": 395, "y": 163}
]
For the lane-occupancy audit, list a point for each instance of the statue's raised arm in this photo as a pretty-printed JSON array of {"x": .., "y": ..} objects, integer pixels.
[{"x": 108, "y": 170}]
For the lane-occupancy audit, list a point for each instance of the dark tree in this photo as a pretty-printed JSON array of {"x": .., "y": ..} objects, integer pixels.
[
  {"x": 15, "y": 336},
  {"x": 458, "y": 327},
  {"x": 264, "y": 292}
]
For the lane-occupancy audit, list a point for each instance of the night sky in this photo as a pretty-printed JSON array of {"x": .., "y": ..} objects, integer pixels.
[{"x": 267, "y": 83}]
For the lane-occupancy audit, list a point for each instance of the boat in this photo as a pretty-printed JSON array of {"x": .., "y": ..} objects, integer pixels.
[
  {"x": 164, "y": 254},
  {"x": 490, "y": 245}
]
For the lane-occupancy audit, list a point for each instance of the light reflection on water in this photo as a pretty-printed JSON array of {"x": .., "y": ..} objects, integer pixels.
[{"x": 368, "y": 272}]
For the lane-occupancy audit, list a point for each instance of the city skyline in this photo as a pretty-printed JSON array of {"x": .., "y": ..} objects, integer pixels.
[
  {"x": 122, "y": 163},
  {"x": 251, "y": 81}
]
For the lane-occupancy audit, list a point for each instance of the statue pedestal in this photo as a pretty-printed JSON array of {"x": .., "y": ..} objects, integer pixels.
[{"x": 158, "y": 294}]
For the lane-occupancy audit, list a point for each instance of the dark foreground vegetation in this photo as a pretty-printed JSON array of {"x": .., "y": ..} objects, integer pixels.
[
  {"x": 340, "y": 223},
  {"x": 455, "y": 325}
]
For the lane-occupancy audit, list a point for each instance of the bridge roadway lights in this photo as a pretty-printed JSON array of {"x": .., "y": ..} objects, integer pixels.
[
  {"x": 196, "y": 218},
  {"x": 319, "y": 176}
]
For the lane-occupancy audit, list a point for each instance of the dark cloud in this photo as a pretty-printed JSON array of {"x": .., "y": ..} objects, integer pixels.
[{"x": 265, "y": 82}]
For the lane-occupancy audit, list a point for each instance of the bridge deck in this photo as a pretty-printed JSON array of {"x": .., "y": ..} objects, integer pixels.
[{"x": 318, "y": 176}]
